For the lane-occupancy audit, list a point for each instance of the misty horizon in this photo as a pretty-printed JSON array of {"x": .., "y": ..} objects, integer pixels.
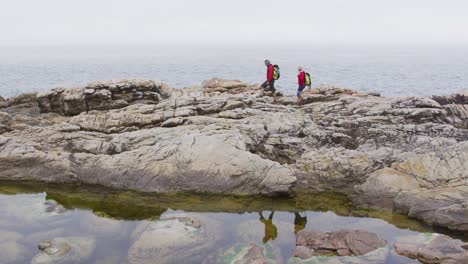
[{"x": 240, "y": 23}]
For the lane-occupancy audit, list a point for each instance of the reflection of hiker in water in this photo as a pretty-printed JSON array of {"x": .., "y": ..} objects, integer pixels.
[
  {"x": 299, "y": 222},
  {"x": 270, "y": 229}
]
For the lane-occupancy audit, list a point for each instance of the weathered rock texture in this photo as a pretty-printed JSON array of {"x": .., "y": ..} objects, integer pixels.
[
  {"x": 408, "y": 154},
  {"x": 311, "y": 243},
  {"x": 102, "y": 96},
  {"x": 437, "y": 249}
]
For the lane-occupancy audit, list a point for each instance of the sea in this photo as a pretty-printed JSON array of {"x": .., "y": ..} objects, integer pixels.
[{"x": 391, "y": 71}]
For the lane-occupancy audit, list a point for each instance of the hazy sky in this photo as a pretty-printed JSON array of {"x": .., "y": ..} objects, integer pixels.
[{"x": 45, "y": 22}]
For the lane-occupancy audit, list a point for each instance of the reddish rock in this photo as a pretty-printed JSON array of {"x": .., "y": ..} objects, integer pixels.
[{"x": 341, "y": 243}]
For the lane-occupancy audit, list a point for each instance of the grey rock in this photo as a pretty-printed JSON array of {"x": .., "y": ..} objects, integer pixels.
[
  {"x": 3, "y": 102},
  {"x": 101, "y": 96},
  {"x": 173, "y": 122},
  {"x": 217, "y": 86},
  {"x": 381, "y": 187}
]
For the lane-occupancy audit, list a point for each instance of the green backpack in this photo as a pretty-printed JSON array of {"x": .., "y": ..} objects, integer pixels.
[
  {"x": 276, "y": 72},
  {"x": 308, "y": 82}
]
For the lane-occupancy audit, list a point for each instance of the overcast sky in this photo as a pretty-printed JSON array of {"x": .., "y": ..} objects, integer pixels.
[{"x": 58, "y": 22}]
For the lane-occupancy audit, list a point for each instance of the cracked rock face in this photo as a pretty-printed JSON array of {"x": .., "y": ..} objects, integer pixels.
[
  {"x": 223, "y": 138},
  {"x": 101, "y": 95}
]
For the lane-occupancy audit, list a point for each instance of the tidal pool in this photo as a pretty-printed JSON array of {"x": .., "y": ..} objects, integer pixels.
[{"x": 126, "y": 227}]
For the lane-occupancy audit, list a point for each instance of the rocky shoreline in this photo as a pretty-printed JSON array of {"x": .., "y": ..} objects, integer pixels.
[{"x": 407, "y": 154}]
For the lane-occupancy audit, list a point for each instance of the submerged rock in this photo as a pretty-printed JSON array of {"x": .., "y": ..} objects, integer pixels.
[
  {"x": 436, "y": 249},
  {"x": 340, "y": 243},
  {"x": 173, "y": 239},
  {"x": 53, "y": 206},
  {"x": 65, "y": 250},
  {"x": 245, "y": 254}
]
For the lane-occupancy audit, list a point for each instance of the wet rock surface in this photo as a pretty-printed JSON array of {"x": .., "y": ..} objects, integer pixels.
[
  {"x": 409, "y": 152},
  {"x": 311, "y": 243},
  {"x": 436, "y": 249}
]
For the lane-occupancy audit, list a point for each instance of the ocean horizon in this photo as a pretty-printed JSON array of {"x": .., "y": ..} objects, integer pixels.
[{"x": 391, "y": 71}]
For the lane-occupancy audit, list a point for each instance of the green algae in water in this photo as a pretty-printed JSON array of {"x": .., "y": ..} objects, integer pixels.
[
  {"x": 130, "y": 205},
  {"x": 112, "y": 218}
]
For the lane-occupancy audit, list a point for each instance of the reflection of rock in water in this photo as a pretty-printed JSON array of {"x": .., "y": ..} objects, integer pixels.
[
  {"x": 175, "y": 238},
  {"x": 244, "y": 254},
  {"x": 65, "y": 250}
]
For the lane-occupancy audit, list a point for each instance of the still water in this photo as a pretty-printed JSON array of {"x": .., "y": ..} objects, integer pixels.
[{"x": 110, "y": 221}]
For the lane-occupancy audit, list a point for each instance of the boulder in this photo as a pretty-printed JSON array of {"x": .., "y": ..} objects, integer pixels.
[
  {"x": 28, "y": 99},
  {"x": 217, "y": 86},
  {"x": 102, "y": 95},
  {"x": 340, "y": 243}
]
